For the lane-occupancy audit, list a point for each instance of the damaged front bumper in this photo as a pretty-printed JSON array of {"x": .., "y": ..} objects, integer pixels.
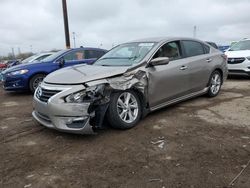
[
  {"x": 54, "y": 113},
  {"x": 54, "y": 105}
]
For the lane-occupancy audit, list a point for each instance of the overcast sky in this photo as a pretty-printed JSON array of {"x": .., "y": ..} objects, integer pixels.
[{"x": 38, "y": 24}]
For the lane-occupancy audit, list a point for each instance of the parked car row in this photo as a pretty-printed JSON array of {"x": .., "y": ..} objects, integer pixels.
[
  {"x": 29, "y": 74},
  {"x": 7, "y": 64},
  {"x": 34, "y": 58},
  {"x": 77, "y": 90}
]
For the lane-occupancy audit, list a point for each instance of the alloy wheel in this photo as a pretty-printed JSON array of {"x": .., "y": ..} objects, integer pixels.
[
  {"x": 36, "y": 82},
  {"x": 127, "y": 107},
  {"x": 215, "y": 83}
]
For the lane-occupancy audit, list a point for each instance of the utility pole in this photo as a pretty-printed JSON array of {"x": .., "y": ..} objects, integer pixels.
[
  {"x": 74, "y": 39},
  {"x": 13, "y": 53},
  {"x": 194, "y": 32},
  {"x": 66, "y": 24},
  {"x": 19, "y": 50},
  {"x": 31, "y": 48}
]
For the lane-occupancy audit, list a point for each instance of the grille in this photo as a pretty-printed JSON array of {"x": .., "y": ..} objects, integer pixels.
[
  {"x": 44, "y": 94},
  {"x": 235, "y": 60}
]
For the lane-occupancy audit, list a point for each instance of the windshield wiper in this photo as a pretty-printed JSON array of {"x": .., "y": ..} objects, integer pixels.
[{"x": 105, "y": 65}]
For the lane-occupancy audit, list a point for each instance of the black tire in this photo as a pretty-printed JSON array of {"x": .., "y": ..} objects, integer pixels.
[
  {"x": 35, "y": 81},
  {"x": 214, "y": 88},
  {"x": 113, "y": 117}
]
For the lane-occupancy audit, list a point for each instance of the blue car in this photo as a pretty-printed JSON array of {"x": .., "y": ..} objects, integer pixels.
[{"x": 29, "y": 76}]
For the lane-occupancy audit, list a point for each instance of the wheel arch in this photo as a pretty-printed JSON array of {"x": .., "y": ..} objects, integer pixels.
[
  {"x": 216, "y": 69},
  {"x": 36, "y": 73},
  {"x": 32, "y": 76},
  {"x": 143, "y": 101}
]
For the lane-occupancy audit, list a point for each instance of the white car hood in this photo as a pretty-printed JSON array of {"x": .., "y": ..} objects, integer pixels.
[{"x": 240, "y": 53}]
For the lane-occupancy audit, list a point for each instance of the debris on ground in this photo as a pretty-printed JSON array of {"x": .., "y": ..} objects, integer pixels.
[{"x": 160, "y": 142}]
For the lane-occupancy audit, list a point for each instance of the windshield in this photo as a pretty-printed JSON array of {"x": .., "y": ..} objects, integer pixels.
[
  {"x": 35, "y": 58},
  {"x": 125, "y": 54},
  {"x": 54, "y": 56},
  {"x": 29, "y": 59},
  {"x": 241, "y": 45}
]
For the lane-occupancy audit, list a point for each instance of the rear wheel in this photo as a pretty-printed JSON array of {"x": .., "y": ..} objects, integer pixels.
[
  {"x": 215, "y": 84},
  {"x": 124, "y": 110},
  {"x": 35, "y": 81}
]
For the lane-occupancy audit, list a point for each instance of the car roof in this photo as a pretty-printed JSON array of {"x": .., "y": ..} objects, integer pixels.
[
  {"x": 162, "y": 39},
  {"x": 87, "y": 48},
  {"x": 44, "y": 53}
]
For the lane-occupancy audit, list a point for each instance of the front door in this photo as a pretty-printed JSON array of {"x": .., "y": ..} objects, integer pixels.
[{"x": 168, "y": 82}]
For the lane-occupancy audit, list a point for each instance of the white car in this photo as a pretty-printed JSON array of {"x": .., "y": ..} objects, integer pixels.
[{"x": 239, "y": 58}]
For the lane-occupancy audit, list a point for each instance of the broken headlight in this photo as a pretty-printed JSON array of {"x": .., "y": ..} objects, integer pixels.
[
  {"x": 75, "y": 97},
  {"x": 85, "y": 95}
]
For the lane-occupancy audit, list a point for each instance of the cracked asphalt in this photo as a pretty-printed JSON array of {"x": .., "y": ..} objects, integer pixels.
[{"x": 203, "y": 142}]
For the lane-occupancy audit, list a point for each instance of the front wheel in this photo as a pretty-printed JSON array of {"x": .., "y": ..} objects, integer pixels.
[
  {"x": 35, "y": 81},
  {"x": 124, "y": 110},
  {"x": 215, "y": 84}
]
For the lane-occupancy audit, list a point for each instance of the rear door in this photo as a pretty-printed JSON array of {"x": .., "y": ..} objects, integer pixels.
[
  {"x": 167, "y": 82},
  {"x": 198, "y": 60}
]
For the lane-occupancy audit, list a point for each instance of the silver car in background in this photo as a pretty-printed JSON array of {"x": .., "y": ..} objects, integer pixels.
[{"x": 128, "y": 82}]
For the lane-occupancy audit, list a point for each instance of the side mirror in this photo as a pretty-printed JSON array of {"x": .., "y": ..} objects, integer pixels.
[
  {"x": 159, "y": 61},
  {"x": 61, "y": 62}
]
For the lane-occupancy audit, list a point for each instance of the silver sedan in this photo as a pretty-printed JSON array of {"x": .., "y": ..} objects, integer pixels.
[{"x": 127, "y": 83}]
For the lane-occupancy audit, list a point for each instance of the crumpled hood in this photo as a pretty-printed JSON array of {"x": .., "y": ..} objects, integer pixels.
[
  {"x": 83, "y": 73},
  {"x": 240, "y": 53}
]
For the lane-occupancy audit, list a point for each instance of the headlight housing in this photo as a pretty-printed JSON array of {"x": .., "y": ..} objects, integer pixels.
[
  {"x": 86, "y": 95},
  {"x": 19, "y": 72},
  {"x": 75, "y": 97}
]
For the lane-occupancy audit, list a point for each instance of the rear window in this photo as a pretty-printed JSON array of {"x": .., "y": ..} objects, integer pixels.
[
  {"x": 193, "y": 48},
  {"x": 207, "y": 49}
]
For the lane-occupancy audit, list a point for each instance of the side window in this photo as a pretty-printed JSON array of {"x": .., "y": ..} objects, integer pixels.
[
  {"x": 193, "y": 48},
  {"x": 93, "y": 54},
  {"x": 74, "y": 56},
  {"x": 207, "y": 49},
  {"x": 170, "y": 50}
]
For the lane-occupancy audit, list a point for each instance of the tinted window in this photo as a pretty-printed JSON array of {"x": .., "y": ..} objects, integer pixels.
[
  {"x": 170, "y": 50},
  {"x": 207, "y": 49},
  {"x": 193, "y": 48},
  {"x": 213, "y": 44},
  {"x": 75, "y": 55},
  {"x": 93, "y": 54}
]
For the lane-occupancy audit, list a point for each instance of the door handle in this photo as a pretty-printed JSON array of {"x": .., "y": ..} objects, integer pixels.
[
  {"x": 209, "y": 60},
  {"x": 183, "y": 67}
]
